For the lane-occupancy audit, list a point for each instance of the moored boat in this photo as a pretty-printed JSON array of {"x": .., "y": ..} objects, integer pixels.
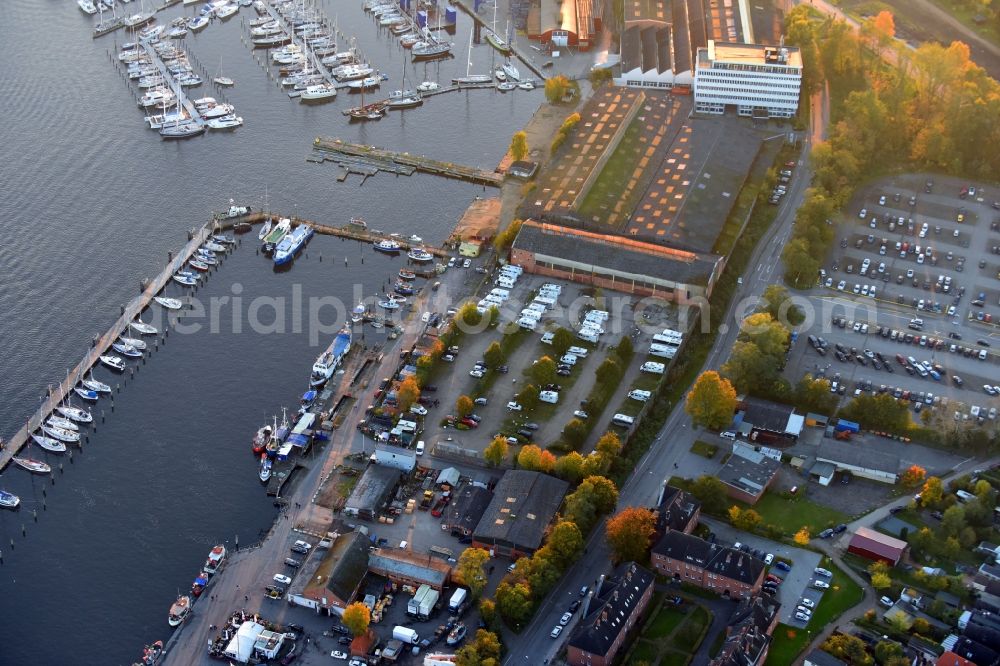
[
  {"x": 76, "y": 414},
  {"x": 92, "y": 384},
  {"x": 141, "y": 327},
  {"x": 48, "y": 443},
  {"x": 261, "y": 439},
  {"x": 114, "y": 362},
  {"x": 265, "y": 468},
  {"x": 276, "y": 234},
  {"x": 9, "y": 500},
  {"x": 32, "y": 465},
  {"x": 292, "y": 244},
  {"x": 151, "y": 654},
  {"x": 126, "y": 350},
  {"x": 179, "y": 611},
  {"x": 61, "y": 434},
  {"x": 90, "y": 395},
  {"x": 216, "y": 558},
  {"x": 407, "y": 275},
  {"x": 420, "y": 255},
  {"x": 135, "y": 342},
  {"x": 328, "y": 362},
  {"x": 403, "y": 288},
  {"x": 198, "y": 265},
  {"x": 388, "y": 246},
  {"x": 198, "y": 586},
  {"x": 59, "y": 422},
  {"x": 389, "y": 305},
  {"x": 186, "y": 280}
]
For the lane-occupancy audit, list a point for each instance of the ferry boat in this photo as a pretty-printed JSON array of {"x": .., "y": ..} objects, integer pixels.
[
  {"x": 48, "y": 443},
  {"x": 388, "y": 246},
  {"x": 330, "y": 360},
  {"x": 179, "y": 611},
  {"x": 113, "y": 362},
  {"x": 32, "y": 465},
  {"x": 276, "y": 234},
  {"x": 420, "y": 255},
  {"x": 76, "y": 414},
  {"x": 9, "y": 500},
  {"x": 292, "y": 244},
  {"x": 265, "y": 468},
  {"x": 216, "y": 558}
]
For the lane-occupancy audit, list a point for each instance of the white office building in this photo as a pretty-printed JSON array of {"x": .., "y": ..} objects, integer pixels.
[{"x": 758, "y": 81}]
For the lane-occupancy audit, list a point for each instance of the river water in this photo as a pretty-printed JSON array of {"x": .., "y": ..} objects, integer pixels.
[{"x": 92, "y": 202}]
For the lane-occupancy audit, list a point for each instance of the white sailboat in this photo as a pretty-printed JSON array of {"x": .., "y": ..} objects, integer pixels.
[{"x": 221, "y": 80}]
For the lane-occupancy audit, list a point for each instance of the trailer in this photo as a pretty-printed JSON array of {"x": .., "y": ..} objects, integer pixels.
[
  {"x": 413, "y": 605},
  {"x": 428, "y": 603},
  {"x": 849, "y": 426}
]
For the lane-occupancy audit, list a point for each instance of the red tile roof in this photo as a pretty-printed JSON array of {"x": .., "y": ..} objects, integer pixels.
[{"x": 952, "y": 659}]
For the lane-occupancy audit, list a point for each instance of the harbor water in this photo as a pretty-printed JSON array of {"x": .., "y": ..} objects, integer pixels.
[{"x": 92, "y": 203}]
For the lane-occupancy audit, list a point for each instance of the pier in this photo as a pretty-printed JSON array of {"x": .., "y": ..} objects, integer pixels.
[
  {"x": 513, "y": 49},
  {"x": 155, "y": 58},
  {"x": 378, "y": 156}
]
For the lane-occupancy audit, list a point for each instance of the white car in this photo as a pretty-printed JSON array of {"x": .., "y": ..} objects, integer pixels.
[
  {"x": 476, "y": 372},
  {"x": 282, "y": 579},
  {"x": 863, "y": 214},
  {"x": 580, "y": 414},
  {"x": 805, "y": 611},
  {"x": 556, "y": 630},
  {"x": 808, "y": 603},
  {"x": 466, "y": 263},
  {"x": 769, "y": 558},
  {"x": 801, "y": 617},
  {"x": 419, "y": 409},
  {"x": 514, "y": 406},
  {"x": 887, "y": 602},
  {"x": 425, "y": 317},
  {"x": 821, "y": 585},
  {"x": 337, "y": 654},
  {"x": 841, "y": 285},
  {"x": 820, "y": 571},
  {"x": 566, "y": 617}
]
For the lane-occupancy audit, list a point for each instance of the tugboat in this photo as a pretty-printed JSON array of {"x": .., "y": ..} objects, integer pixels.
[
  {"x": 179, "y": 611},
  {"x": 216, "y": 558}
]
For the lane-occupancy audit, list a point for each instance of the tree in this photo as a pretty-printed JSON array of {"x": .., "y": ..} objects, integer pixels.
[
  {"x": 535, "y": 459},
  {"x": 519, "y": 145},
  {"x": 777, "y": 303},
  {"x": 600, "y": 75},
  {"x": 749, "y": 369},
  {"x": 470, "y": 570},
  {"x": 504, "y": 239},
  {"x": 496, "y": 452},
  {"x": 712, "y": 401},
  {"x": 356, "y": 618},
  {"x": 711, "y": 492},
  {"x": 913, "y": 476},
  {"x": 407, "y": 393},
  {"x": 920, "y": 626},
  {"x": 899, "y": 621},
  {"x": 565, "y": 541},
  {"x": 527, "y": 397},
  {"x": 493, "y": 355},
  {"x": 488, "y": 611},
  {"x": 881, "y": 581},
  {"x": 469, "y": 315},
  {"x": 609, "y": 445},
  {"x": 569, "y": 467},
  {"x": 814, "y": 395},
  {"x": 885, "y": 650},
  {"x": 575, "y": 432},
  {"x": 609, "y": 372},
  {"x": 932, "y": 493},
  {"x": 802, "y": 537},
  {"x": 879, "y": 412},
  {"x": 850, "y": 648},
  {"x": 487, "y": 644},
  {"x": 594, "y": 496},
  {"x": 953, "y": 520},
  {"x": 543, "y": 572},
  {"x": 770, "y": 336},
  {"x": 464, "y": 405},
  {"x": 629, "y": 533},
  {"x": 514, "y": 601},
  {"x": 543, "y": 371},
  {"x": 801, "y": 267},
  {"x": 744, "y": 519},
  {"x": 562, "y": 340},
  {"x": 556, "y": 88}
]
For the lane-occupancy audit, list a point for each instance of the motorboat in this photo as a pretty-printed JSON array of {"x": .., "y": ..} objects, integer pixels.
[
  {"x": 406, "y": 275},
  {"x": 151, "y": 33},
  {"x": 218, "y": 111},
  {"x": 317, "y": 92},
  {"x": 92, "y": 384},
  {"x": 526, "y": 85},
  {"x": 198, "y": 586},
  {"x": 32, "y": 465},
  {"x": 61, "y": 434},
  {"x": 185, "y": 280},
  {"x": 114, "y": 362},
  {"x": 179, "y": 611},
  {"x": 216, "y": 559},
  {"x": 415, "y": 239},
  {"x": 365, "y": 83},
  {"x": 126, "y": 350},
  {"x": 63, "y": 423},
  {"x": 403, "y": 288},
  {"x": 157, "y": 97},
  {"x": 389, "y": 304},
  {"x": 331, "y": 358},
  {"x": 181, "y": 131},
  {"x": 135, "y": 342},
  {"x": 259, "y": 442},
  {"x": 265, "y": 230},
  {"x": 429, "y": 86},
  {"x": 87, "y": 6},
  {"x": 265, "y": 468},
  {"x": 419, "y": 255},
  {"x": 222, "y": 241},
  {"x": 198, "y": 265},
  {"x": 277, "y": 233},
  {"x": 506, "y": 86},
  {"x": 88, "y": 394},
  {"x": 76, "y": 414},
  {"x": 141, "y": 327},
  {"x": 358, "y": 313},
  {"x": 387, "y": 245},
  {"x": 226, "y": 11},
  {"x": 48, "y": 443},
  {"x": 456, "y": 635},
  {"x": 225, "y": 122},
  {"x": 197, "y": 23},
  {"x": 511, "y": 71},
  {"x": 499, "y": 74},
  {"x": 292, "y": 244},
  {"x": 151, "y": 654},
  {"x": 9, "y": 500},
  {"x": 177, "y": 33},
  {"x": 352, "y": 72}
]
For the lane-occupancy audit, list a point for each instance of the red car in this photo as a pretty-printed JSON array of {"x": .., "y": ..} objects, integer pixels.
[{"x": 469, "y": 422}]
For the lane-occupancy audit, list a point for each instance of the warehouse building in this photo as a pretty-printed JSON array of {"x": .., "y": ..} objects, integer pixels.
[
  {"x": 859, "y": 461},
  {"x": 404, "y": 567},
  {"x": 329, "y": 580},
  {"x": 748, "y": 473},
  {"x": 523, "y": 505},
  {"x": 763, "y": 421},
  {"x": 373, "y": 490},
  {"x": 876, "y": 546}
]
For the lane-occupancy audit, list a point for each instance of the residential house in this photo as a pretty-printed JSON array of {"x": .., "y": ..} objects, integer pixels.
[{"x": 721, "y": 569}]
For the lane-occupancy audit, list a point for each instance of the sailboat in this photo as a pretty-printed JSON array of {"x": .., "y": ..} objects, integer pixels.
[
  {"x": 373, "y": 111},
  {"x": 431, "y": 49},
  {"x": 404, "y": 99},
  {"x": 511, "y": 71},
  {"x": 265, "y": 230},
  {"x": 221, "y": 80},
  {"x": 471, "y": 79},
  {"x": 181, "y": 130},
  {"x": 495, "y": 40}
]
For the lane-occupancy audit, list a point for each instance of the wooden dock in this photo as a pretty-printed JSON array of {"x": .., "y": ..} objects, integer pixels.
[
  {"x": 375, "y": 156},
  {"x": 100, "y": 345}
]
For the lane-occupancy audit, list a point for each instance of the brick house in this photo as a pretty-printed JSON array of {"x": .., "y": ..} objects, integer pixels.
[
  {"x": 720, "y": 569},
  {"x": 748, "y": 634}
]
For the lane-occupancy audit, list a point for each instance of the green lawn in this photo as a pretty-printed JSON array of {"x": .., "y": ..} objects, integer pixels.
[
  {"x": 704, "y": 449},
  {"x": 664, "y": 623},
  {"x": 792, "y": 514},
  {"x": 689, "y": 637},
  {"x": 786, "y": 644},
  {"x": 643, "y": 652},
  {"x": 617, "y": 172}
]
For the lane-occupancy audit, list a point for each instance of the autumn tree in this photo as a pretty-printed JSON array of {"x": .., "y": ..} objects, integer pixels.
[
  {"x": 880, "y": 577},
  {"x": 777, "y": 302},
  {"x": 535, "y": 459},
  {"x": 849, "y": 648},
  {"x": 527, "y": 397},
  {"x": 469, "y": 315},
  {"x": 556, "y": 88},
  {"x": 913, "y": 476},
  {"x": 496, "y": 452},
  {"x": 464, "y": 405},
  {"x": 886, "y": 650},
  {"x": 519, "y": 145},
  {"x": 569, "y": 467},
  {"x": 407, "y": 393},
  {"x": 594, "y": 496},
  {"x": 953, "y": 520},
  {"x": 470, "y": 570},
  {"x": 565, "y": 542},
  {"x": 356, "y": 618},
  {"x": 562, "y": 340},
  {"x": 514, "y": 601},
  {"x": 629, "y": 533},
  {"x": 711, "y": 492},
  {"x": 932, "y": 492},
  {"x": 802, "y": 537},
  {"x": 575, "y": 432},
  {"x": 543, "y": 371},
  {"x": 744, "y": 519},
  {"x": 711, "y": 401},
  {"x": 488, "y": 612},
  {"x": 609, "y": 445},
  {"x": 493, "y": 355},
  {"x": 749, "y": 369}
]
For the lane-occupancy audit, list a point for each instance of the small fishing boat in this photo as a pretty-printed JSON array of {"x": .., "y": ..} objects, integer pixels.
[
  {"x": 358, "y": 313},
  {"x": 506, "y": 86},
  {"x": 88, "y": 394},
  {"x": 126, "y": 350},
  {"x": 92, "y": 384},
  {"x": 9, "y": 500},
  {"x": 200, "y": 581},
  {"x": 135, "y": 342},
  {"x": 141, "y": 327},
  {"x": 428, "y": 86},
  {"x": 76, "y": 414},
  {"x": 403, "y": 288},
  {"x": 169, "y": 303},
  {"x": 48, "y": 443},
  {"x": 216, "y": 558},
  {"x": 388, "y": 246},
  {"x": 151, "y": 654},
  {"x": 389, "y": 305},
  {"x": 186, "y": 280},
  {"x": 265, "y": 468},
  {"x": 32, "y": 465},
  {"x": 179, "y": 611},
  {"x": 59, "y": 422},
  {"x": 60, "y": 434},
  {"x": 114, "y": 362},
  {"x": 526, "y": 85},
  {"x": 261, "y": 439},
  {"x": 420, "y": 255},
  {"x": 407, "y": 275},
  {"x": 198, "y": 265}
]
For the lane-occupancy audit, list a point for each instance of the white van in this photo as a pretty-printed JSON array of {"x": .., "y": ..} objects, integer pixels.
[
  {"x": 653, "y": 367},
  {"x": 568, "y": 359},
  {"x": 529, "y": 324},
  {"x": 548, "y": 337},
  {"x": 549, "y": 396},
  {"x": 420, "y": 448},
  {"x": 531, "y": 314},
  {"x": 587, "y": 335},
  {"x": 578, "y": 351},
  {"x": 505, "y": 283},
  {"x": 623, "y": 420},
  {"x": 640, "y": 395},
  {"x": 964, "y": 496},
  {"x": 552, "y": 286}
]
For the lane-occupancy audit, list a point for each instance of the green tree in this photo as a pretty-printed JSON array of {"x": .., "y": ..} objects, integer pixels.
[
  {"x": 407, "y": 393},
  {"x": 493, "y": 355},
  {"x": 711, "y": 492},
  {"x": 624, "y": 350},
  {"x": 744, "y": 519},
  {"x": 850, "y": 648},
  {"x": 953, "y": 520},
  {"x": 801, "y": 266},
  {"x": 711, "y": 401},
  {"x": 885, "y": 650},
  {"x": 528, "y": 397},
  {"x": 543, "y": 371},
  {"x": 899, "y": 621},
  {"x": 543, "y": 572},
  {"x": 609, "y": 372},
  {"x": 748, "y": 368},
  {"x": 464, "y": 405},
  {"x": 812, "y": 394},
  {"x": 356, "y": 618},
  {"x": 514, "y": 601},
  {"x": 496, "y": 452},
  {"x": 504, "y": 239},
  {"x": 594, "y": 496},
  {"x": 535, "y": 459},
  {"x": 600, "y": 76},
  {"x": 470, "y": 570},
  {"x": 469, "y": 315},
  {"x": 519, "y": 145},
  {"x": 629, "y": 533},
  {"x": 569, "y": 467},
  {"x": 565, "y": 541},
  {"x": 575, "y": 432},
  {"x": 562, "y": 340},
  {"x": 488, "y": 612},
  {"x": 770, "y": 336},
  {"x": 777, "y": 303},
  {"x": 879, "y": 412}
]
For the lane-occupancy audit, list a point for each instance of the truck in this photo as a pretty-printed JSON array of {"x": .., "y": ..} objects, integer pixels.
[
  {"x": 413, "y": 605},
  {"x": 405, "y": 634},
  {"x": 457, "y": 599},
  {"x": 428, "y": 603},
  {"x": 427, "y": 500}
]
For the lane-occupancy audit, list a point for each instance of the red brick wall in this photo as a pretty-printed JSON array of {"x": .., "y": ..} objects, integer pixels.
[
  {"x": 577, "y": 657},
  {"x": 697, "y": 576}
]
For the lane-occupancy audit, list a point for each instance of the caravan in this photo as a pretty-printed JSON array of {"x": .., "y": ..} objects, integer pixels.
[
  {"x": 663, "y": 351},
  {"x": 527, "y": 323}
]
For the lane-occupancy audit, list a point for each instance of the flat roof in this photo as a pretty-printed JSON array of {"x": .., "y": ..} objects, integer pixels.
[
  {"x": 749, "y": 473},
  {"x": 523, "y": 505},
  {"x": 837, "y": 452},
  {"x": 751, "y": 54}
]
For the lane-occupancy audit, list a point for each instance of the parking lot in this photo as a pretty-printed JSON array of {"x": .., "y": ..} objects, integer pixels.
[{"x": 912, "y": 248}]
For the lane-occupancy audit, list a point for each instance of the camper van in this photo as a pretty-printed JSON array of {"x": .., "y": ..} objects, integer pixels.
[
  {"x": 622, "y": 420},
  {"x": 526, "y": 323},
  {"x": 549, "y": 396},
  {"x": 663, "y": 351},
  {"x": 653, "y": 367}
]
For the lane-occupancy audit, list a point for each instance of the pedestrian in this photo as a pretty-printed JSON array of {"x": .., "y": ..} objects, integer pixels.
[
  {"x": 675, "y": 465},
  {"x": 246, "y": 597}
]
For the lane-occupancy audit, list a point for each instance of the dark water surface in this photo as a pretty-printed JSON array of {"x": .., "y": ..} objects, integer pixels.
[{"x": 91, "y": 203}]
